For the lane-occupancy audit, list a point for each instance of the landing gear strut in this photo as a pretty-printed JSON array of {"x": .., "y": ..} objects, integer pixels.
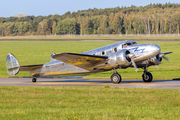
[
  {"x": 116, "y": 78},
  {"x": 34, "y": 79},
  {"x": 147, "y": 76}
]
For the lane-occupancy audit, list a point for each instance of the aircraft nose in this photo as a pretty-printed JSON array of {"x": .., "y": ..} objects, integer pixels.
[{"x": 156, "y": 48}]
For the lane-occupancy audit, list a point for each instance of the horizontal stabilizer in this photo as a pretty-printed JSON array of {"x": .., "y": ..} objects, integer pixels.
[
  {"x": 30, "y": 67},
  {"x": 13, "y": 67},
  {"x": 84, "y": 61}
]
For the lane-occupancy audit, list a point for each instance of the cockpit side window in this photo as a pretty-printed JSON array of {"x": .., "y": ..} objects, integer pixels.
[
  {"x": 134, "y": 43},
  {"x": 127, "y": 44},
  {"x": 115, "y": 50}
]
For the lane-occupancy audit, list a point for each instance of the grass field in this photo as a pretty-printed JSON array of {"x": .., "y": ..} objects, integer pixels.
[
  {"x": 38, "y": 52},
  {"x": 88, "y": 103}
]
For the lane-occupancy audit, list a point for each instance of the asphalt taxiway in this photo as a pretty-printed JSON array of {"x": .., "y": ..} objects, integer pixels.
[{"x": 160, "y": 84}]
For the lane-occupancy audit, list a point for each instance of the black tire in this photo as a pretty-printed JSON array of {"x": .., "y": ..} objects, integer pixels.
[
  {"x": 148, "y": 77},
  {"x": 34, "y": 80},
  {"x": 116, "y": 78}
]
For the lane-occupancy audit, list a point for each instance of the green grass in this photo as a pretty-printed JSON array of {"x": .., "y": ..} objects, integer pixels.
[
  {"x": 38, "y": 52},
  {"x": 88, "y": 103}
]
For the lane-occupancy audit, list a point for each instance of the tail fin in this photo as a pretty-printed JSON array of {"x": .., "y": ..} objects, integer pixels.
[
  {"x": 12, "y": 64},
  {"x": 52, "y": 59}
]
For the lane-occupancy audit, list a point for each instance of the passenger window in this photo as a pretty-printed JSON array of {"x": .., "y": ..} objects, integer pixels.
[
  {"x": 115, "y": 50},
  {"x": 103, "y": 53}
]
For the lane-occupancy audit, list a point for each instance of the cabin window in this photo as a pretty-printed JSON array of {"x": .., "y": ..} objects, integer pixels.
[
  {"x": 115, "y": 50},
  {"x": 103, "y": 53}
]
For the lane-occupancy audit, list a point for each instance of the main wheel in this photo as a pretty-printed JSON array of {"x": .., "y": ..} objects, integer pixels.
[
  {"x": 34, "y": 80},
  {"x": 116, "y": 78},
  {"x": 148, "y": 77}
]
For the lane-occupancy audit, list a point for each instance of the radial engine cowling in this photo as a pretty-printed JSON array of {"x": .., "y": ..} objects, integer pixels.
[
  {"x": 156, "y": 60},
  {"x": 120, "y": 58}
]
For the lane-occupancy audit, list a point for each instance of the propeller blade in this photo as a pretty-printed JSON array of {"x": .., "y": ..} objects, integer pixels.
[
  {"x": 131, "y": 56},
  {"x": 157, "y": 63},
  {"x": 166, "y": 58},
  {"x": 134, "y": 65}
]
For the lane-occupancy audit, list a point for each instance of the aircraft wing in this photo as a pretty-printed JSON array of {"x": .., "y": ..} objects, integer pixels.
[{"x": 84, "y": 61}]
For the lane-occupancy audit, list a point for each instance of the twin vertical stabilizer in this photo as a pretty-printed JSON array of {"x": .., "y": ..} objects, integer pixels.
[{"x": 12, "y": 64}]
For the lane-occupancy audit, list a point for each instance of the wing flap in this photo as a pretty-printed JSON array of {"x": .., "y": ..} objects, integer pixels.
[{"x": 84, "y": 61}]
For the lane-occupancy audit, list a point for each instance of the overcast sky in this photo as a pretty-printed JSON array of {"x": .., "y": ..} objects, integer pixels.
[{"x": 46, "y": 7}]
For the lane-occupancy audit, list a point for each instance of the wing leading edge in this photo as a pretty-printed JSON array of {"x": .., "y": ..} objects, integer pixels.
[{"x": 84, "y": 61}]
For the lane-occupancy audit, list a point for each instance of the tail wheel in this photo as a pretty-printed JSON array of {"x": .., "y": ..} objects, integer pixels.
[
  {"x": 116, "y": 78},
  {"x": 147, "y": 77}
]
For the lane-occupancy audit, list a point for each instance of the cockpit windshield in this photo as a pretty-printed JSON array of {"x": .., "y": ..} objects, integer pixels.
[
  {"x": 128, "y": 44},
  {"x": 134, "y": 43}
]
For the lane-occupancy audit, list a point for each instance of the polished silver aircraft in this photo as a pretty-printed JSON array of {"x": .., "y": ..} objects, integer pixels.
[{"x": 111, "y": 57}]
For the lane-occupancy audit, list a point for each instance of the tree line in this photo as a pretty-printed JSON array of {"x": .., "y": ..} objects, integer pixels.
[{"x": 150, "y": 19}]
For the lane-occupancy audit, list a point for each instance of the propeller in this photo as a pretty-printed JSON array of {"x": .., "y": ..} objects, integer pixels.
[
  {"x": 160, "y": 56},
  {"x": 131, "y": 56},
  {"x": 166, "y": 58}
]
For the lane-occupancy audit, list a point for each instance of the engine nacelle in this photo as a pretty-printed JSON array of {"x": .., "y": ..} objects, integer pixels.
[
  {"x": 120, "y": 58},
  {"x": 156, "y": 60}
]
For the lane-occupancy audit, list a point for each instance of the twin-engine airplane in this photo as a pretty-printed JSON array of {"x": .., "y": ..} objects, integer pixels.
[{"x": 111, "y": 57}]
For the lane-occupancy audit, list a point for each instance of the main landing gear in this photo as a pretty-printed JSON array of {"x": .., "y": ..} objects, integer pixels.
[
  {"x": 147, "y": 76},
  {"x": 116, "y": 77},
  {"x": 34, "y": 79}
]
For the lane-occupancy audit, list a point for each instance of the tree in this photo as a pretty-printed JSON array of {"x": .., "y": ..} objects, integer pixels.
[
  {"x": 49, "y": 25},
  {"x": 150, "y": 19},
  {"x": 166, "y": 28},
  {"x": 87, "y": 26},
  {"x": 33, "y": 26},
  {"x": 54, "y": 28},
  {"x": 68, "y": 26},
  {"x": 118, "y": 24},
  {"x": 43, "y": 28},
  {"x": 59, "y": 29}
]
